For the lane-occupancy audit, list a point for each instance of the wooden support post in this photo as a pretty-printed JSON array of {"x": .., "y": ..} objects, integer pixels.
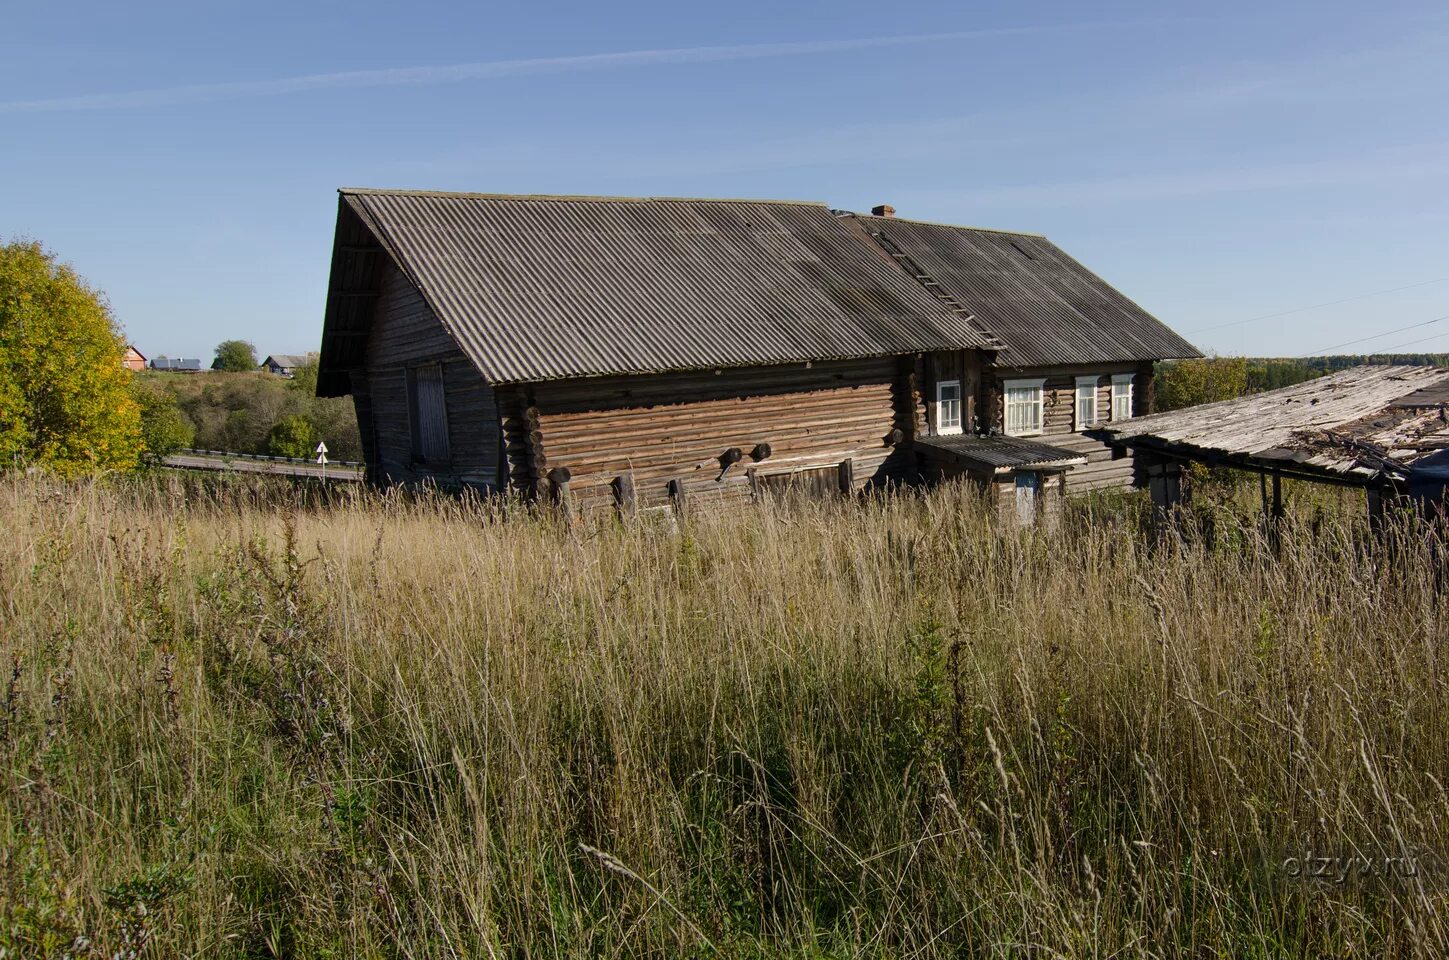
[
  {"x": 1274, "y": 511},
  {"x": 847, "y": 477},
  {"x": 678, "y": 498},
  {"x": 1374, "y": 498},
  {"x": 624, "y": 499},
  {"x": 558, "y": 481},
  {"x": 1164, "y": 482}
]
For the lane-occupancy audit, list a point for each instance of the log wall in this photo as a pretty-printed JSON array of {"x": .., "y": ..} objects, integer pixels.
[
  {"x": 405, "y": 333},
  {"x": 676, "y": 426},
  {"x": 1059, "y": 397}
]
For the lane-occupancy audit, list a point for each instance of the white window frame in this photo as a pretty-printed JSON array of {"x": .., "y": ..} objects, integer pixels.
[
  {"x": 1122, "y": 399},
  {"x": 947, "y": 426},
  {"x": 1040, "y": 403},
  {"x": 1086, "y": 393}
]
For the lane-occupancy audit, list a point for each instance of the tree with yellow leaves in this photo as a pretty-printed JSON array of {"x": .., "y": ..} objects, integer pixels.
[
  {"x": 1187, "y": 383},
  {"x": 65, "y": 398}
]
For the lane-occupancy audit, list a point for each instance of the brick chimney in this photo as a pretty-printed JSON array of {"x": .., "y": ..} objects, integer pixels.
[{"x": 884, "y": 210}]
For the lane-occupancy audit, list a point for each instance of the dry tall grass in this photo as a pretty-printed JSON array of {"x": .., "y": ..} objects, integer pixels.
[{"x": 390, "y": 728}]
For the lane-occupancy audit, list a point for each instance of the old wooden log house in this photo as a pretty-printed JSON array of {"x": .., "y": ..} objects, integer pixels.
[{"x": 640, "y": 352}]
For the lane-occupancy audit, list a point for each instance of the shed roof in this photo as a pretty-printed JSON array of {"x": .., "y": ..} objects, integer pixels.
[
  {"x": 1362, "y": 423},
  {"x": 1043, "y": 305},
  {"x": 999, "y": 453},
  {"x": 547, "y": 287},
  {"x": 176, "y": 363},
  {"x": 285, "y": 360}
]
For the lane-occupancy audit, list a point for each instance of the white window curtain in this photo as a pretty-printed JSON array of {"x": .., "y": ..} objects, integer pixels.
[
  {"x": 1086, "y": 402},
  {"x": 1023, "y": 407},
  {"x": 1122, "y": 397},
  {"x": 948, "y": 407}
]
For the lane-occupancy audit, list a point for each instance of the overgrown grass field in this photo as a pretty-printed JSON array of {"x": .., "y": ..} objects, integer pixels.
[{"x": 239, "y": 721}]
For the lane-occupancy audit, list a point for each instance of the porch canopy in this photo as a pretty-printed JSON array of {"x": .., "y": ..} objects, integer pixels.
[{"x": 998, "y": 455}]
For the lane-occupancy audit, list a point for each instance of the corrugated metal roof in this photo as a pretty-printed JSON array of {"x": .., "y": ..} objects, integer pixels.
[
  {"x": 539, "y": 288},
  {"x": 1044, "y": 306},
  {"x": 999, "y": 452},
  {"x": 176, "y": 363}
]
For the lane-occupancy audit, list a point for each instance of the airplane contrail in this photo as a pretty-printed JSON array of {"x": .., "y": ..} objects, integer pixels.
[{"x": 493, "y": 69}]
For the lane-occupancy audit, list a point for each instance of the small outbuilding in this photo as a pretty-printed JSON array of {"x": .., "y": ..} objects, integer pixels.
[
  {"x": 1380, "y": 428},
  {"x": 133, "y": 359}
]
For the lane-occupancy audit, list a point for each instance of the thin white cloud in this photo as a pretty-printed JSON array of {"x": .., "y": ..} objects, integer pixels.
[{"x": 494, "y": 69}]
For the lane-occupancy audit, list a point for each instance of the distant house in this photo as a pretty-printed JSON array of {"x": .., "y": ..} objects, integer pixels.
[
  {"x": 284, "y": 364},
  {"x": 177, "y": 364},
  {"x": 644, "y": 351},
  {"x": 133, "y": 359}
]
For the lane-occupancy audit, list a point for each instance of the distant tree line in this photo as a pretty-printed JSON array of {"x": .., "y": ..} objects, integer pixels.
[
  {"x": 255, "y": 412},
  {"x": 1187, "y": 383}
]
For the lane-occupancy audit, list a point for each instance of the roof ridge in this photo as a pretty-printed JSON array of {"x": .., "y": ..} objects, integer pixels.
[
  {"x": 952, "y": 226},
  {"x": 577, "y": 197}
]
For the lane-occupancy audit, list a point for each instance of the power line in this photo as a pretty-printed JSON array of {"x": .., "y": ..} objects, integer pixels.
[
  {"x": 1400, "y": 346},
  {"x": 1315, "y": 306},
  {"x": 1349, "y": 343}
]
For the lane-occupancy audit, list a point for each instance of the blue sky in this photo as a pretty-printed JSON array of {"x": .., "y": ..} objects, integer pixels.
[{"x": 1222, "y": 164}]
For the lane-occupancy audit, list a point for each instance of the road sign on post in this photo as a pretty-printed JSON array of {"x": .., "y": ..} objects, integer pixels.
[{"x": 322, "y": 458}]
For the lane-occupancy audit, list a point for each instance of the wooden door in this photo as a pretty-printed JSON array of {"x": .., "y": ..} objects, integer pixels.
[{"x": 1028, "y": 491}]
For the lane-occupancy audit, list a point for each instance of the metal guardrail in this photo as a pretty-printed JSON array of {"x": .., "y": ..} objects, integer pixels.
[{"x": 266, "y": 458}]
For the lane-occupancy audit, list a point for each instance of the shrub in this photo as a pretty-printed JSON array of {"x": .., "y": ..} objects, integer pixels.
[
  {"x": 164, "y": 428},
  {"x": 292, "y": 436},
  {"x": 1187, "y": 383}
]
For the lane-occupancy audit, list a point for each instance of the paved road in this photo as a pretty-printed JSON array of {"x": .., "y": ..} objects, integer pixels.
[{"x": 206, "y": 461}]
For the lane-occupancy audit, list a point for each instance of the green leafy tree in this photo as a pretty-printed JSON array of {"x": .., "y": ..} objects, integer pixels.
[
  {"x": 236, "y": 356},
  {"x": 1187, "y": 383},
  {"x": 292, "y": 436},
  {"x": 304, "y": 378},
  {"x": 65, "y": 398},
  {"x": 164, "y": 428}
]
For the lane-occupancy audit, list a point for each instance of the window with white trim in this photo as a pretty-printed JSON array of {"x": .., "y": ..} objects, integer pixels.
[
  {"x": 1023, "y": 402},
  {"x": 1122, "y": 396},
  {"x": 948, "y": 407},
  {"x": 1086, "y": 402}
]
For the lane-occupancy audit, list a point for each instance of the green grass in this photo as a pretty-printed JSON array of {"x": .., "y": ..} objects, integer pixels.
[{"x": 244, "y": 722}]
